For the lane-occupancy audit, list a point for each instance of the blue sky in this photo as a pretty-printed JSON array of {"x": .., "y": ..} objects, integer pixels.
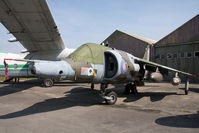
[{"x": 82, "y": 21}]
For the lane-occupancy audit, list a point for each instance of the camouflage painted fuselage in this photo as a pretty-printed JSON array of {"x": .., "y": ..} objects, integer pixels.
[{"x": 88, "y": 62}]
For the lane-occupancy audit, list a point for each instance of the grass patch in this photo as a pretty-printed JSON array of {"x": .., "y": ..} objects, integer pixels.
[
  {"x": 3, "y": 78},
  {"x": 185, "y": 111}
]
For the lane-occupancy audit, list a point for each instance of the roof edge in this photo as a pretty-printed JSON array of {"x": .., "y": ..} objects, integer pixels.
[{"x": 177, "y": 28}]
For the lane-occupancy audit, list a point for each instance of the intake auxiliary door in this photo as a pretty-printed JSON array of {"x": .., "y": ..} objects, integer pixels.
[{"x": 111, "y": 65}]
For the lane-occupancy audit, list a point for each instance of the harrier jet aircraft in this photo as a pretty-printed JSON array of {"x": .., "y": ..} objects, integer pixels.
[
  {"x": 93, "y": 63},
  {"x": 31, "y": 23}
]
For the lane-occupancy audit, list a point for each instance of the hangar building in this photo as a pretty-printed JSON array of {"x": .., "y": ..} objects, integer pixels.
[
  {"x": 130, "y": 43},
  {"x": 180, "y": 49}
]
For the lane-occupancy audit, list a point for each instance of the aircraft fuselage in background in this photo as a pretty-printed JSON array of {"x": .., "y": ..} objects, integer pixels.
[{"x": 21, "y": 68}]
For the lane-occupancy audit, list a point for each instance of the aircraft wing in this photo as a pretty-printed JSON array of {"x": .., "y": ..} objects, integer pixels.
[
  {"x": 153, "y": 64},
  {"x": 32, "y": 24}
]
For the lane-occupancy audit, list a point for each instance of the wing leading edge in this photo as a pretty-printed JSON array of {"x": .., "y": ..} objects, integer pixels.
[
  {"x": 153, "y": 64},
  {"x": 31, "y": 22}
]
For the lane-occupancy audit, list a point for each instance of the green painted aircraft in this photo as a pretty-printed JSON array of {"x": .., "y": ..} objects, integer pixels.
[{"x": 93, "y": 63}]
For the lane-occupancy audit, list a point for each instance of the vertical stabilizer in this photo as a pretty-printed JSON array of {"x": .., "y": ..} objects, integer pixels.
[{"x": 147, "y": 53}]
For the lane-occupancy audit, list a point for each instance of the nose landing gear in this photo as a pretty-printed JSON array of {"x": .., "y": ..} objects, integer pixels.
[{"x": 110, "y": 97}]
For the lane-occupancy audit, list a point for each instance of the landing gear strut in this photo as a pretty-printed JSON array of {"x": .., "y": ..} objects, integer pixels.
[
  {"x": 48, "y": 82},
  {"x": 130, "y": 89},
  {"x": 110, "y": 97}
]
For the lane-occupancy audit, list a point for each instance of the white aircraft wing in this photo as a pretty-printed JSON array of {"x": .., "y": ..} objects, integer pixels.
[
  {"x": 153, "y": 64},
  {"x": 32, "y": 24}
]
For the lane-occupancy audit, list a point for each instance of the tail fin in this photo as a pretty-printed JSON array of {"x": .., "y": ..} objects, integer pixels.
[{"x": 147, "y": 53}]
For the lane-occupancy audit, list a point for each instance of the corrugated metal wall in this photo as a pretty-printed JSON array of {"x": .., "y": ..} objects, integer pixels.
[
  {"x": 184, "y": 40},
  {"x": 186, "y": 64}
]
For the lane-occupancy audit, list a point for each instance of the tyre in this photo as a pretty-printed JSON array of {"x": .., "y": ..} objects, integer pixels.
[
  {"x": 134, "y": 89},
  {"x": 92, "y": 86},
  {"x": 127, "y": 89},
  {"x": 186, "y": 92},
  {"x": 48, "y": 82},
  {"x": 113, "y": 97}
]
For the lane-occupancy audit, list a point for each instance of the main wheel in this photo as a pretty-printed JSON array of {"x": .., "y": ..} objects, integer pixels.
[
  {"x": 113, "y": 98},
  {"x": 127, "y": 89},
  {"x": 134, "y": 89},
  {"x": 48, "y": 82},
  {"x": 92, "y": 86}
]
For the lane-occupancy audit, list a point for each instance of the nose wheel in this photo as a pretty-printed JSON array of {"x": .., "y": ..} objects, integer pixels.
[{"x": 110, "y": 97}]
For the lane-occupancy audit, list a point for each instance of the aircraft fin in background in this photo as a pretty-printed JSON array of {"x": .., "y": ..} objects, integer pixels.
[{"x": 147, "y": 53}]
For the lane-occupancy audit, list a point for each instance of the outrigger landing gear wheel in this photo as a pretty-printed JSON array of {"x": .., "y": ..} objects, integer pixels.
[
  {"x": 187, "y": 86},
  {"x": 48, "y": 82},
  {"x": 186, "y": 92},
  {"x": 112, "y": 98}
]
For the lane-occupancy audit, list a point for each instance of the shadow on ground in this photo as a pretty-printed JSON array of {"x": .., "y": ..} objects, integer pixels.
[
  {"x": 154, "y": 96},
  {"x": 196, "y": 90},
  {"x": 79, "y": 96},
  {"x": 13, "y": 87},
  {"x": 180, "y": 121},
  {"x": 76, "y": 97}
]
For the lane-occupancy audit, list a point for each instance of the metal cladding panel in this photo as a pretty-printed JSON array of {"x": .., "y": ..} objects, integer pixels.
[
  {"x": 130, "y": 45},
  {"x": 31, "y": 22},
  {"x": 188, "y": 32},
  {"x": 186, "y": 64},
  {"x": 117, "y": 33},
  {"x": 133, "y": 44},
  {"x": 183, "y": 40}
]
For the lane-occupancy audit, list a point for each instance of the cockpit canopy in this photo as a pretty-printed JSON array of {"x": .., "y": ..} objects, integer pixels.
[{"x": 89, "y": 52}]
